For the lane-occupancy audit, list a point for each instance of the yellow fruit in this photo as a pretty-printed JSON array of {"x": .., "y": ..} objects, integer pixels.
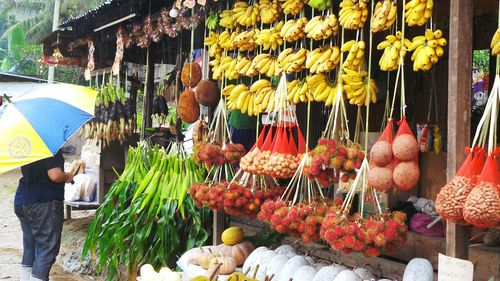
[{"x": 232, "y": 236}]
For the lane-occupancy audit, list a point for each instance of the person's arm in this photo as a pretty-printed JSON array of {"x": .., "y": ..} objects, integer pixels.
[{"x": 58, "y": 176}]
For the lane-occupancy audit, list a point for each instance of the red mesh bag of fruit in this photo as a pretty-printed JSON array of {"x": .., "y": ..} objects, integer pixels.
[
  {"x": 451, "y": 198},
  {"x": 253, "y": 162},
  {"x": 380, "y": 176},
  {"x": 285, "y": 154},
  {"x": 406, "y": 171},
  {"x": 482, "y": 206}
]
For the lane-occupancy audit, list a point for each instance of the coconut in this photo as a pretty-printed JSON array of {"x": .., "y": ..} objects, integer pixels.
[
  {"x": 188, "y": 108},
  {"x": 381, "y": 153},
  {"x": 405, "y": 147},
  {"x": 207, "y": 93},
  {"x": 380, "y": 178},
  {"x": 191, "y": 74},
  {"x": 406, "y": 175}
]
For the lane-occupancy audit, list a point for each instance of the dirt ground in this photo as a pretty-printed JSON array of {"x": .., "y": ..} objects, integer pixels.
[{"x": 68, "y": 266}]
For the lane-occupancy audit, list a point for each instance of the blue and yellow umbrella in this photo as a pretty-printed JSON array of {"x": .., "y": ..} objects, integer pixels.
[{"x": 36, "y": 124}]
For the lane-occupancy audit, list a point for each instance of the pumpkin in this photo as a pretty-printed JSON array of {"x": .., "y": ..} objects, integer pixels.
[
  {"x": 187, "y": 107},
  {"x": 406, "y": 175},
  {"x": 232, "y": 236},
  {"x": 326, "y": 273},
  {"x": 419, "y": 269},
  {"x": 207, "y": 93},
  {"x": 284, "y": 249},
  {"x": 263, "y": 263},
  {"x": 380, "y": 178},
  {"x": 304, "y": 273},
  {"x": 191, "y": 74},
  {"x": 239, "y": 252},
  {"x": 364, "y": 274},
  {"x": 347, "y": 275},
  {"x": 405, "y": 147},
  {"x": 254, "y": 258},
  {"x": 227, "y": 265},
  {"x": 202, "y": 259},
  {"x": 276, "y": 265},
  {"x": 381, "y": 153},
  {"x": 290, "y": 267}
]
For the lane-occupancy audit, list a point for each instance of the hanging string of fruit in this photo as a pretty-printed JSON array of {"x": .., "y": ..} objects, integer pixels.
[
  {"x": 114, "y": 118},
  {"x": 365, "y": 231}
]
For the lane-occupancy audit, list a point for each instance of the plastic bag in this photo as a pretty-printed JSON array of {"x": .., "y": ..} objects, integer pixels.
[
  {"x": 88, "y": 188},
  {"x": 406, "y": 171},
  {"x": 482, "y": 206},
  {"x": 451, "y": 198},
  {"x": 380, "y": 176}
]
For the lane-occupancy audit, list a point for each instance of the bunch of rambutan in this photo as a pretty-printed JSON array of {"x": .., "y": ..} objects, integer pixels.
[
  {"x": 328, "y": 159},
  {"x": 209, "y": 194},
  {"x": 348, "y": 233},
  {"x": 233, "y": 153},
  {"x": 212, "y": 154},
  {"x": 302, "y": 220},
  {"x": 243, "y": 201}
]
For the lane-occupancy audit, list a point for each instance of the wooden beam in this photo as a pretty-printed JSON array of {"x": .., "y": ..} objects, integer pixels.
[
  {"x": 459, "y": 107},
  {"x": 218, "y": 227}
]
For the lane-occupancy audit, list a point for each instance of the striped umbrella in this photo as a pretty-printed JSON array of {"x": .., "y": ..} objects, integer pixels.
[{"x": 35, "y": 125}]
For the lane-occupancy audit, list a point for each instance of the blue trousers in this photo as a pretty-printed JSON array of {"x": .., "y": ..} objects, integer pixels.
[{"x": 42, "y": 227}]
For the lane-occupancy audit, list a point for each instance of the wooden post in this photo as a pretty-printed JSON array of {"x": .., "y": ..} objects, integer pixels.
[
  {"x": 218, "y": 227},
  {"x": 459, "y": 108}
]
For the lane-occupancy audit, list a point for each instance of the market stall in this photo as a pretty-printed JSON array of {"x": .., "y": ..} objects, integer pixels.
[{"x": 339, "y": 124}]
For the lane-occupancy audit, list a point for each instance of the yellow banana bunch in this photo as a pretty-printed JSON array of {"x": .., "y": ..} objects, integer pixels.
[
  {"x": 238, "y": 97},
  {"x": 270, "y": 38},
  {"x": 264, "y": 92},
  {"x": 226, "y": 40},
  {"x": 298, "y": 91},
  {"x": 269, "y": 11},
  {"x": 253, "y": 100},
  {"x": 226, "y": 19},
  {"x": 356, "y": 53},
  {"x": 244, "y": 67},
  {"x": 292, "y": 7},
  {"x": 267, "y": 65},
  {"x": 292, "y": 61},
  {"x": 323, "y": 59},
  {"x": 246, "y": 15},
  {"x": 353, "y": 13},
  {"x": 293, "y": 30},
  {"x": 216, "y": 72},
  {"x": 358, "y": 87},
  {"x": 323, "y": 90},
  {"x": 427, "y": 49},
  {"x": 394, "y": 51},
  {"x": 322, "y": 27},
  {"x": 212, "y": 42},
  {"x": 384, "y": 15},
  {"x": 225, "y": 67},
  {"x": 245, "y": 41},
  {"x": 495, "y": 43},
  {"x": 417, "y": 12}
]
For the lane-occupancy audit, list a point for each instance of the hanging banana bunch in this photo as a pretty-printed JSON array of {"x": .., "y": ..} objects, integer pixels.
[
  {"x": 323, "y": 59},
  {"x": 298, "y": 91},
  {"x": 293, "y": 29},
  {"x": 292, "y": 7},
  {"x": 270, "y": 38},
  {"x": 356, "y": 54},
  {"x": 394, "y": 51},
  {"x": 353, "y": 13},
  {"x": 418, "y": 11},
  {"x": 292, "y": 61},
  {"x": 246, "y": 15},
  {"x": 267, "y": 64},
  {"x": 322, "y": 27},
  {"x": 357, "y": 86},
  {"x": 269, "y": 11},
  {"x": 427, "y": 49},
  {"x": 384, "y": 15}
]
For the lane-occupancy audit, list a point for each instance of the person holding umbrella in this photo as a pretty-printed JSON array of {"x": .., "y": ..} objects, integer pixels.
[{"x": 34, "y": 126}]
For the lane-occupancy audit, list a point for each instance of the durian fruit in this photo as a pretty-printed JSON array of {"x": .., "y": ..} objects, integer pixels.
[
  {"x": 191, "y": 74},
  {"x": 188, "y": 108},
  {"x": 207, "y": 93}
]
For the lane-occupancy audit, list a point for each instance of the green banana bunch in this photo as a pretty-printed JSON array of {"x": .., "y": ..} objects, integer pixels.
[
  {"x": 212, "y": 21},
  {"x": 320, "y": 4}
]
